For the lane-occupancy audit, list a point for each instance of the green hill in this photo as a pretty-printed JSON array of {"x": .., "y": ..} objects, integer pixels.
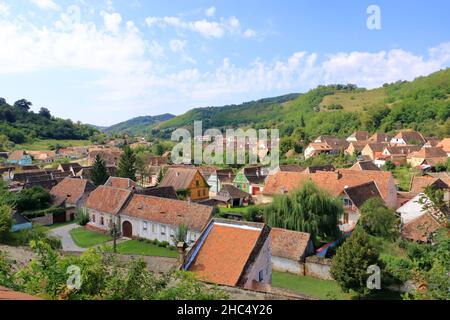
[
  {"x": 138, "y": 125},
  {"x": 19, "y": 125},
  {"x": 422, "y": 104}
]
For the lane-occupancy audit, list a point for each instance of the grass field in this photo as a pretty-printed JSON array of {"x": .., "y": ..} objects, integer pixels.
[
  {"x": 355, "y": 101},
  {"x": 240, "y": 210},
  {"x": 143, "y": 248},
  {"x": 86, "y": 238},
  {"x": 45, "y": 144},
  {"x": 322, "y": 289},
  {"x": 316, "y": 288},
  {"x": 403, "y": 176}
]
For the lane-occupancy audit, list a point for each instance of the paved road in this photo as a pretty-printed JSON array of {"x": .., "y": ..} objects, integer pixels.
[{"x": 66, "y": 239}]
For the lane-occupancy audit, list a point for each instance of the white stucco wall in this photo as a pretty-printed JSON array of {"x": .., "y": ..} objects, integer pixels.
[
  {"x": 263, "y": 262},
  {"x": 287, "y": 265}
]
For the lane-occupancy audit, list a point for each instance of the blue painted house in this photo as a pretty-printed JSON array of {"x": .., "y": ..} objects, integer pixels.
[{"x": 19, "y": 157}]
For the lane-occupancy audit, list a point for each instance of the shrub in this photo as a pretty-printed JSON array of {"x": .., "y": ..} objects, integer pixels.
[{"x": 82, "y": 217}]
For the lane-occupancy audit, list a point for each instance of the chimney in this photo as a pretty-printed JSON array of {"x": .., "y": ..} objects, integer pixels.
[{"x": 181, "y": 247}]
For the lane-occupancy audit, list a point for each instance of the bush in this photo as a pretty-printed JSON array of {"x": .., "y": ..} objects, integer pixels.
[
  {"x": 82, "y": 217},
  {"x": 35, "y": 198},
  {"x": 36, "y": 233}
]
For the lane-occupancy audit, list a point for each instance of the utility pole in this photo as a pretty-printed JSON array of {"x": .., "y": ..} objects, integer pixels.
[{"x": 114, "y": 236}]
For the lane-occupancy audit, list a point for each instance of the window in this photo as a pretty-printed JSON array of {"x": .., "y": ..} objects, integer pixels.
[
  {"x": 198, "y": 193},
  {"x": 154, "y": 228},
  {"x": 102, "y": 221},
  {"x": 347, "y": 202},
  {"x": 144, "y": 227},
  {"x": 261, "y": 276},
  {"x": 197, "y": 183},
  {"x": 163, "y": 230},
  {"x": 93, "y": 218}
]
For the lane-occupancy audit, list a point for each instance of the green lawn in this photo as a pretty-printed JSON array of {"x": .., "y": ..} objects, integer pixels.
[
  {"x": 240, "y": 210},
  {"x": 316, "y": 288},
  {"x": 322, "y": 289},
  {"x": 143, "y": 248},
  {"x": 44, "y": 144},
  {"x": 403, "y": 175},
  {"x": 86, "y": 238}
]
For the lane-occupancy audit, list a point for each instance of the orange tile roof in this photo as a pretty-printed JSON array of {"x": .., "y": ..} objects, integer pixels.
[
  {"x": 418, "y": 184},
  {"x": 121, "y": 183},
  {"x": 8, "y": 294},
  {"x": 107, "y": 199},
  {"x": 289, "y": 244},
  {"x": 168, "y": 211},
  {"x": 225, "y": 253},
  {"x": 420, "y": 228},
  {"x": 444, "y": 144},
  {"x": 430, "y": 152},
  {"x": 333, "y": 182},
  {"x": 71, "y": 189}
]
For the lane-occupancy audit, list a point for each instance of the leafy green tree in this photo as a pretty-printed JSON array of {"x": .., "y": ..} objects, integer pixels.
[
  {"x": 308, "y": 209},
  {"x": 6, "y": 220},
  {"x": 142, "y": 166},
  {"x": 23, "y": 105},
  {"x": 45, "y": 113},
  {"x": 35, "y": 198},
  {"x": 127, "y": 164},
  {"x": 180, "y": 234},
  {"x": 99, "y": 173},
  {"x": 389, "y": 166},
  {"x": 349, "y": 266},
  {"x": 158, "y": 149},
  {"x": 378, "y": 220}
]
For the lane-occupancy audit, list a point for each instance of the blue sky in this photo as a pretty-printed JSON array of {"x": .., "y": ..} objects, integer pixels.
[{"x": 106, "y": 61}]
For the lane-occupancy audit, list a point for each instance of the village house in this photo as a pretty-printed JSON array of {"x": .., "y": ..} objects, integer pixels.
[
  {"x": 421, "y": 228},
  {"x": 72, "y": 194},
  {"x": 355, "y": 148},
  {"x": 373, "y": 150},
  {"x": 418, "y": 184},
  {"x": 431, "y": 142},
  {"x": 230, "y": 196},
  {"x": 380, "y": 138},
  {"x": 408, "y": 137},
  {"x": 326, "y": 145},
  {"x": 86, "y": 172},
  {"x": 110, "y": 157},
  {"x": 73, "y": 168},
  {"x": 365, "y": 165},
  {"x": 187, "y": 182},
  {"x": 289, "y": 250},
  {"x": 397, "y": 154},
  {"x": 43, "y": 156},
  {"x": 444, "y": 144},
  {"x": 232, "y": 253},
  {"x": 353, "y": 199},
  {"x": 158, "y": 218},
  {"x": 219, "y": 178},
  {"x": 358, "y": 136},
  {"x": 121, "y": 183},
  {"x": 73, "y": 152},
  {"x": 333, "y": 182},
  {"x": 251, "y": 179},
  {"x": 427, "y": 157},
  {"x": 419, "y": 205},
  {"x": 19, "y": 157},
  {"x": 104, "y": 205}
]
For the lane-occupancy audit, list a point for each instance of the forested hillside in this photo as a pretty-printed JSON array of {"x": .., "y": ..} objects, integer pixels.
[
  {"x": 19, "y": 125},
  {"x": 138, "y": 125},
  {"x": 422, "y": 104}
]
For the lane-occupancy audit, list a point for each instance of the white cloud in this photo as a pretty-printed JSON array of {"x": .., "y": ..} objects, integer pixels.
[
  {"x": 46, "y": 4},
  {"x": 210, "y": 12},
  {"x": 112, "y": 22},
  {"x": 204, "y": 27},
  {"x": 177, "y": 45},
  {"x": 4, "y": 10}
]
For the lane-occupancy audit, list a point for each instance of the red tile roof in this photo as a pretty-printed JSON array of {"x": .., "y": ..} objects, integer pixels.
[
  {"x": 418, "y": 184},
  {"x": 107, "y": 199},
  {"x": 289, "y": 244},
  {"x": 420, "y": 228},
  {"x": 224, "y": 253},
  {"x": 71, "y": 189},
  {"x": 121, "y": 183},
  {"x": 179, "y": 178},
  {"x": 8, "y": 294},
  {"x": 333, "y": 182},
  {"x": 168, "y": 211},
  {"x": 444, "y": 144}
]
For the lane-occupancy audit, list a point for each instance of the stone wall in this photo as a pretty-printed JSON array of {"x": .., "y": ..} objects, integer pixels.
[
  {"x": 318, "y": 267},
  {"x": 46, "y": 220},
  {"x": 288, "y": 265}
]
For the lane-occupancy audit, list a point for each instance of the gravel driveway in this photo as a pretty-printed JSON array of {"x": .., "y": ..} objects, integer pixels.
[{"x": 66, "y": 240}]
